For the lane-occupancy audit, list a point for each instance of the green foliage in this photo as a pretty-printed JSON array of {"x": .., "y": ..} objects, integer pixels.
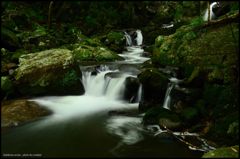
[
  {"x": 6, "y": 84},
  {"x": 70, "y": 78},
  {"x": 233, "y": 129},
  {"x": 190, "y": 114},
  {"x": 178, "y": 12},
  {"x": 196, "y": 22}
]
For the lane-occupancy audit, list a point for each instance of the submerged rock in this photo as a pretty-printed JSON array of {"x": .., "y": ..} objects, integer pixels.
[
  {"x": 163, "y": 117},
  {"x": 18, "y": 112},
  {"x": 50, "y": 72}
]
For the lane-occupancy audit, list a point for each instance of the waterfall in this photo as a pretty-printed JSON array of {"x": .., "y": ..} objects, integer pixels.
[
  {"x": 128, "y": 39},
  {"x": 212, "y": 15},
  {"x": 139, "y": 38},
  {"x": 167, "y": 99},
  {"x": 139, "y": 94},
  {"x": 173, "y": 83},
  {"x": 100, "y": 85},
  {"x": 134, "y": 52}
]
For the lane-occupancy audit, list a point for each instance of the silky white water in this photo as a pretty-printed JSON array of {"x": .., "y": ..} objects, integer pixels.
[
  {"x": 139, "y": 38},
  {"x": 212, "y": 15}
]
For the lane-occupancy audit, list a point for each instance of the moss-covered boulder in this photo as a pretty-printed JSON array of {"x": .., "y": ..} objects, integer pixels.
[
  {"x": 18, "y": 112},
  {"x": 223, "y": 152},
  {"x": 212, "y": 48},
  {"x": 96, "y": 53},
  {"x": 115, "y": 41},
  {"x": 162, "y": 117},
  {"x": 154, "y": 84},
  {"x": 48, "y": 72}
]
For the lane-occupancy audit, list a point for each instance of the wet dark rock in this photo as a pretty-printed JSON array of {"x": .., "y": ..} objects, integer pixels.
[
  {"x": 154, "y": 86},
  {"x": 133, "y": 69},
  {"x": 163, "y": 117},
  {"x": 113, "y": 75},
  {"x": 131, "y": 89}
]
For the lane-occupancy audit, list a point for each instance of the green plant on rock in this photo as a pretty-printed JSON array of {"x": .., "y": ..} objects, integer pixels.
[{"x": 69, "y": 78}]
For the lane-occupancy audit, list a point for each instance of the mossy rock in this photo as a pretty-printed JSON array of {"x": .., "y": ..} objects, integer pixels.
[
  {"x": 185, "y": 47},
  {"x": 223, "y": 152},
  {"x": 18, "y": 112},
  {"x": 162, "y": 117},
  {"x": 48, "y": 72},
  {"x": 114, "y": 40},
  {"x": 90, "y": 53}
]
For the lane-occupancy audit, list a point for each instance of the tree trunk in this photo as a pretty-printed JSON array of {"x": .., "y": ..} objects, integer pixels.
[
  {"x": 208, "y": 11},
  {"x": 49, "y": 14}
]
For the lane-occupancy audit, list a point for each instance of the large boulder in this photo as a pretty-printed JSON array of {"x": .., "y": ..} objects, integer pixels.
[
  {"x": 154, "y": 85},
  {"x": 18, "y": 112},
  {"x": 49, "y": 72}
]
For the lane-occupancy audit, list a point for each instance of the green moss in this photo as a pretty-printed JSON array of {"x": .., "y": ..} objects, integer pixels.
[
  {"x": 194, "y": 74},
  {"x": 153, "y": 78},
  {"x": 6, "y": 84},
  {"x": 190, "y": 114},
  {"x": 69, "y": 78},
  {"x": 224, "y": 152},
  {"x": 89, "y": 53}
]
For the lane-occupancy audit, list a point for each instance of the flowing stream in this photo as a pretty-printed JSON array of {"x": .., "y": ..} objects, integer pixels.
[{"x": 82, "y": 126}]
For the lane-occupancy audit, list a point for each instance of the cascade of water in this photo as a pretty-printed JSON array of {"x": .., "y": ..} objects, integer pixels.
[
  {"x": 167, "y": 99},
  {"x": 173, "y": 84},
  {"x": 99, "y": 85},
  {"x": 139, "y": 94},
  {"x": 116, "y": 88},
  {"x": 128, "y": 39},
  {"x": 212, "y": 15},
  {"x": 139, "y": 38},
  {"x": 134, "y": 53}
]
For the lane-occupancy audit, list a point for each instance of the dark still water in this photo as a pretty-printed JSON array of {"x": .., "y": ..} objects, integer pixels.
[{"x": 82, "y": 127}]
